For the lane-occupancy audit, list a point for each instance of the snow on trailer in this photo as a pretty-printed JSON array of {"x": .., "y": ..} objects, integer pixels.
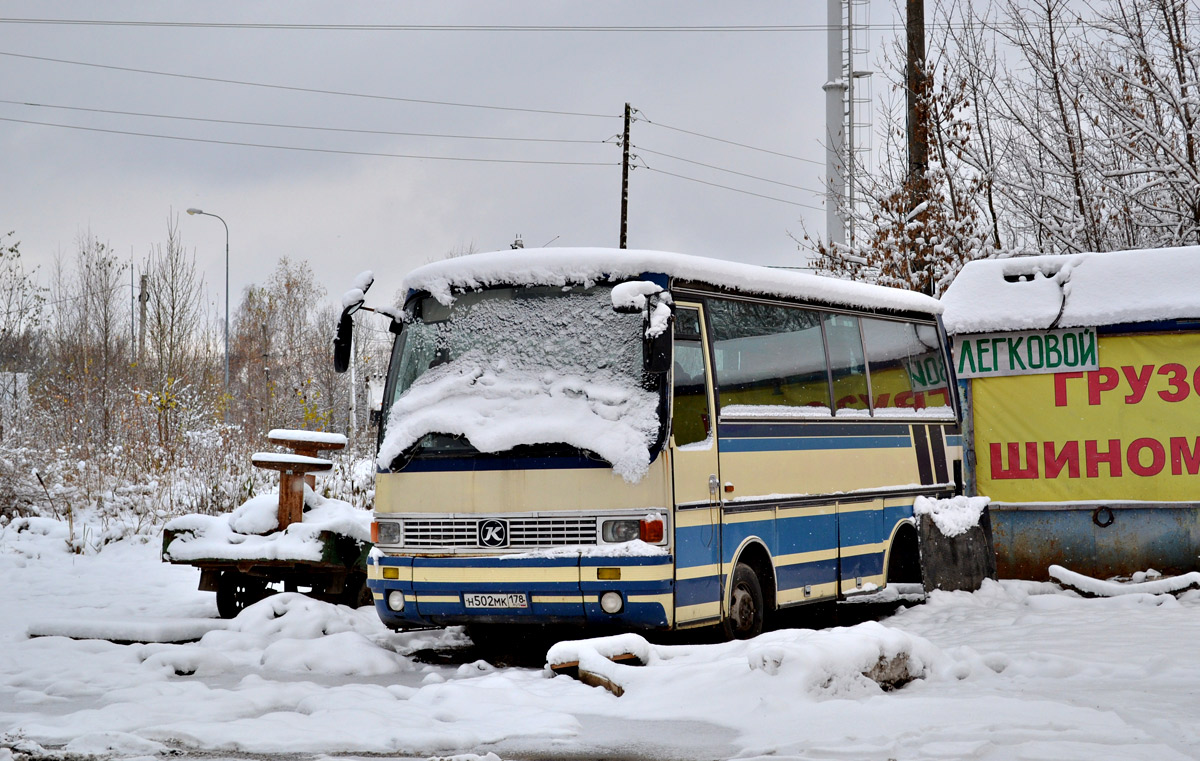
[
  {"x": 1080, "y": 374},
  {"x": 295, "y": 537}
]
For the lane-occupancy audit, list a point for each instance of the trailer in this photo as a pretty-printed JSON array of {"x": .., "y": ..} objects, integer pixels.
[{"x": 295, "y": 541}]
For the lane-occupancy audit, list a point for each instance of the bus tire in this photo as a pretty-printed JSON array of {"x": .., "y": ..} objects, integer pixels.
[
  {"x": 236, "y": 591},
  {"x": 746, "y": 606}
]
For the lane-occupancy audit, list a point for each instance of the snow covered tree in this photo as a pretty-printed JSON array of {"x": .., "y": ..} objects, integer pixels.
[{"x": 916, "y": 229}]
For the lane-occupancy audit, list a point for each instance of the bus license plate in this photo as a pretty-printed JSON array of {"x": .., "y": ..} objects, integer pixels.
[{"x": 510, "y": 600}]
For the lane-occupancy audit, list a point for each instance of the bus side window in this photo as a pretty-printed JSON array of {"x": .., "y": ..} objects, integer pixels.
[
  {"x": 906, "y": 364},
  {"x": 770, "y": 359},
  {"x": 846, "y": 364},
  {"x": 690, "y": 419}
]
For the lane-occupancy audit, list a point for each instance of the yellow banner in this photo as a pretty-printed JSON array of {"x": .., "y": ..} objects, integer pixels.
[{"x": 1129, "y": 430}]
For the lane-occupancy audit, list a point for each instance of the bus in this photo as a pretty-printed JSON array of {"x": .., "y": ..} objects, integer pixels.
[{"x": 633, "y": 440}]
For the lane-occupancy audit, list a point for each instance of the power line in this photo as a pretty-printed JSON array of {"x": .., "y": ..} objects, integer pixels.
[
  {"x": 731, "y": 142},
  {"x": 735, "y": 190},
  {"x": 299, "y": 126},
  {"x": 590, "y": 28},
  {"x": 308, "y": 150},
  {"x": 721, "y": 169},
  {"x": 317, "y": 91}
]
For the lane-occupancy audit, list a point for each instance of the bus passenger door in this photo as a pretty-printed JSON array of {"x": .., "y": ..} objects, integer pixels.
[{"x": 695, "y": 475}]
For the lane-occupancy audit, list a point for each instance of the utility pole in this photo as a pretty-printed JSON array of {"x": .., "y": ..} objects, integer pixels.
[
  {"x": 915, "y": 87},
  {"x": 625, "y": 177},
  {"x": 917, "y": 124}
]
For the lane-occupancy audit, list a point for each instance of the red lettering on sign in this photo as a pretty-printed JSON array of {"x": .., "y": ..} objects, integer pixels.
[
  {"x": 1184, "y": 456},
  {"x": 1158, "y": 457},
  {"x": 1178, "y": 382},
  {"x": 1060, "y": 387},
  {"x": 1067, "y": 458},
  {"x": 1104, "y": 379},
  {"x": 1094, "y": 457},
  {"x": 904, "y": 399},
  {"x": 1138, "y": 381},
  {"x": 1014, "y": 469}
]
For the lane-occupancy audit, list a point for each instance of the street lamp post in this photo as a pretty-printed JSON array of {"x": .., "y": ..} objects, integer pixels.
[{"x": 225, "y": 406}]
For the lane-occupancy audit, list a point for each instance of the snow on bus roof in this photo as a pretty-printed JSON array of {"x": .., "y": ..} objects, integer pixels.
[
  {"x": 1089, "y": 289},
  {"x": 560, "y": 266}
]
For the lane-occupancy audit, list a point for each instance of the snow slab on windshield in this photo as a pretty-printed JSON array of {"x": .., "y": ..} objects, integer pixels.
[
  {"x": 565, "y": 266},
  {"x": 1017, "y": 670},
  {"x": 498, "y": 406},
  {"x": 1030, "y": 292}
]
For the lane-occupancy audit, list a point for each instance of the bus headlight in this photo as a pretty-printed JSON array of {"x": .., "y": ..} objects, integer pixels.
[
  {"x": 387, "y": 532},
  {"x": 611, "y": 602},
  {"x": 395, "y": 600},
  {"x": 624, "y": 530}
]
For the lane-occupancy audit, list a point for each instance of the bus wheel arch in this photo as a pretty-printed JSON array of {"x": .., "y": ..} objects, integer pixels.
[
  {"x": 903, "y": 562},
  {"x": 751, "y": 592}
]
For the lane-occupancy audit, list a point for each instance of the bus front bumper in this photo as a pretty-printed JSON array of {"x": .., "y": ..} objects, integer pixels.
[{"x": 575, "y": 589}]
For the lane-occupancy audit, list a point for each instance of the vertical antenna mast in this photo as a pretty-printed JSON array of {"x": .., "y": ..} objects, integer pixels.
[{"x": 835, "y": 133}]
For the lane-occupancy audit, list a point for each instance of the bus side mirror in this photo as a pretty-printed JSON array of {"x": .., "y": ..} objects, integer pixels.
[
  {"x": 656, "y": 353},
  {"x": 343, "y": 340},
  {"x": 658, "y": 311},
  {"x": 656, "y": 327}
]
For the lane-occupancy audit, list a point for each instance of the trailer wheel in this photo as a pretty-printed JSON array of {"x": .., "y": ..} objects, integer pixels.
[
  {"x": 357, "y": 593},
  {"x": 746, "y": 609},
  {"x": 236, "y": 591}
]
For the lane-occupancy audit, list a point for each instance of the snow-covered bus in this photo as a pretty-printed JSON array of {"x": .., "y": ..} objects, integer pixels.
[{"x": 644, "y": 440}]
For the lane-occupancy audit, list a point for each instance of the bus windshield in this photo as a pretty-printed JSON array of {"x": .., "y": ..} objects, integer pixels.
[{"x": 518, "y": 367}]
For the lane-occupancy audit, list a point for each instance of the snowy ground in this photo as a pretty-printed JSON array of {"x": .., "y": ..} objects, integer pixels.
[{"x": 1016, "y": 671}]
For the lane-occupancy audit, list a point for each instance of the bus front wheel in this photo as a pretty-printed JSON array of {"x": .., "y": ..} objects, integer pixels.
[{"x": 745, "y": 619}]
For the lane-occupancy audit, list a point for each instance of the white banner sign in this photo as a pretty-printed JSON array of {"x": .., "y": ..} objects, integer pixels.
[{"x": 1029, "y": 352}]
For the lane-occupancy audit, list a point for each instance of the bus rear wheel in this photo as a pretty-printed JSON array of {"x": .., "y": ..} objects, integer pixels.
[{"x": 746, "y": 608}]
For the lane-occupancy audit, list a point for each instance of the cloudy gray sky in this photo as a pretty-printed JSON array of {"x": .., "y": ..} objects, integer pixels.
[{"x": 354, "y": 207}]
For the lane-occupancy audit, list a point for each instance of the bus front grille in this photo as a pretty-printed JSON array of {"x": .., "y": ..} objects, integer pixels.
[{"x": 523, "y": 533}]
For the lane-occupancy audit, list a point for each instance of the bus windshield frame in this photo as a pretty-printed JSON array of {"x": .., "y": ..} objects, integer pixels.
[{"x": 545, "y": 343}]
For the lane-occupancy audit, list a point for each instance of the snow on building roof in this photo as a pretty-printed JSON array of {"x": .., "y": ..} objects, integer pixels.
[
  {"x": 1074, "y": 290},
  {"x": 560, "y": 266}
]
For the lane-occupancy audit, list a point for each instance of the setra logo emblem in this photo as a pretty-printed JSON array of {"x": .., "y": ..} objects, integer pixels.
[{"x": 493, "y": 533}]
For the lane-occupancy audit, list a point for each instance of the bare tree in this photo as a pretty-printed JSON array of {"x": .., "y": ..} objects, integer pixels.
[{"x": 173, "y": 322}]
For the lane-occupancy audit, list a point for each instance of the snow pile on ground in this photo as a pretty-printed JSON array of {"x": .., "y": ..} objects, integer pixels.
[
  {"x": 1089, "y": 587},
  {"x": 497, "y": 406},
  {"x": 861, "y": 660},
  {"x": 250, "y": 532},
  {"x": 954, "y": 516}
]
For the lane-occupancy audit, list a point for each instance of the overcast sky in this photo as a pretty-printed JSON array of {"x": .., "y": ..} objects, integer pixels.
[{"x": 344, "y": 213}]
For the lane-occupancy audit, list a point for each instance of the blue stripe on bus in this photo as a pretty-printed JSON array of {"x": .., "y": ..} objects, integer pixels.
[
  {"x": 803, "y": 574},
  {"x": 699, "y": 590},
  {"x": 803, "y": 428},
  {"x": 954, "y": 440},
  {"x": 854, "y": 566},
  {"x": 501, "y": 561},
  {"x": 623, "y": 560},
  {"x": 459, "y": 464},
  {"x": 798, "y": 443}
]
